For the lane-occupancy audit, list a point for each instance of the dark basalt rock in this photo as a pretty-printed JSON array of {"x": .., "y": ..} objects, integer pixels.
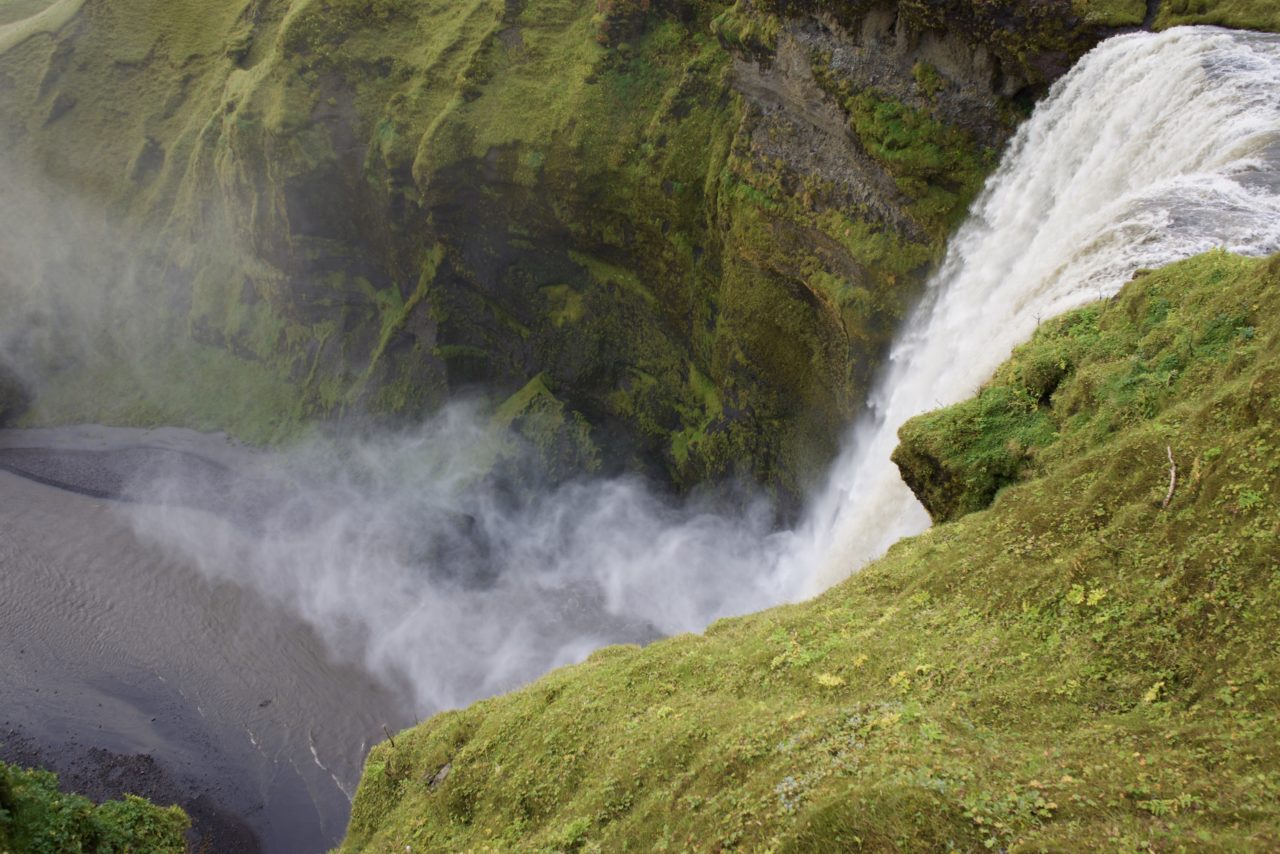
[{"x": 14, "y": 396}]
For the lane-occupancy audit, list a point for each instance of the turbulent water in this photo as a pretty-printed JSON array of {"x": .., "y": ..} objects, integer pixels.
[
  {"x": 1153, "y": 149},
  {"x": 405, "y": 559}
]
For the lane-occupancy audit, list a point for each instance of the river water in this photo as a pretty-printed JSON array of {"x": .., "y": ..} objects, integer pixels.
[{"x": 113, "y": 647}]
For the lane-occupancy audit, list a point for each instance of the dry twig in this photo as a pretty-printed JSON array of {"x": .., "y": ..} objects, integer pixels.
[{"x": 1173, "y": 479}]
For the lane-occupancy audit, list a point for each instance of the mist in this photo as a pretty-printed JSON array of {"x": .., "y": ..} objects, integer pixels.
[
  {"x": 411, "y": 557},
  {"x": 56, "y": 275},
  {"x": 84, "y": 290},
  {"x": 437, "y": 557}
]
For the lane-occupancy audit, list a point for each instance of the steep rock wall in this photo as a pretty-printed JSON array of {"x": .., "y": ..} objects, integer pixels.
[{"x": 679, "y": 234}]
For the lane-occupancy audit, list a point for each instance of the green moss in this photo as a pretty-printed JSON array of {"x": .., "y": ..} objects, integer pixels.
[
  {"x": 17, "y": 10},
  {"x": 1112, "y": 13},
  {"x": 936, "y": 165},
  {"x": 37, "y": 818},
  {"x": 25, "y": 20},
  {"x": 1082, "y": 377},
  {"x": 565, "y": 305},
  {"x": 1243, "y": 14},
  {"x": 927, "y": 78},
  {"x": 205, "y": 388},
  {"x": 1077, "y": 668},
  {"x": 743, "y": 28},
  {"x": 957, "y": 460},
  {"x": 560, "y": 437}
]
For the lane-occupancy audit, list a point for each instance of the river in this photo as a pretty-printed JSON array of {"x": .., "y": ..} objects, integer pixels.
[{"x": 126, "y": 669}]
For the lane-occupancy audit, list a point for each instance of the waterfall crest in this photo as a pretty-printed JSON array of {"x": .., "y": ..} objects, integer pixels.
[{"x": 1153, "y": 149}]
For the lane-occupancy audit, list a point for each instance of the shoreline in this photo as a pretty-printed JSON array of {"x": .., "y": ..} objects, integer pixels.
[
  {"x": 104, "y": 775},
  {"x": 126, "y": 670}
]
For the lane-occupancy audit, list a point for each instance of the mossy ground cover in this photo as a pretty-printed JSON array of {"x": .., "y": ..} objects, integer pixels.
[
  {"x": 1241, "y": 14},
  {"x": 37, "y": 818},
  {"x": 1078, "y": 667},
  {"x": 1112, "y": 13}
]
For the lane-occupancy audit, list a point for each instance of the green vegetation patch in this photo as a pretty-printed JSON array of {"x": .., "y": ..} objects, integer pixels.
[
  {"x": 1241, "y": 14},
  {"x": 21, "y": 20},
  {"x": 1080, "y": 379},
  {"x": 741, "y": 27},
  {"x": 1089, "y": 664},
  {"x": 1112, "y": 13},
  {"x": 560, "y": 437},
  {"x": 934, "y": 164},
  {"x": 37, "y": 818}
]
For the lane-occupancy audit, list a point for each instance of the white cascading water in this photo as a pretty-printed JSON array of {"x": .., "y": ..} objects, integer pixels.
[{"x": 1153, "y": 149}]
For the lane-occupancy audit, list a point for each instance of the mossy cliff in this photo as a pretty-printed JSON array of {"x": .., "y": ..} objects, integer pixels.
[
  {"x": 37, "y": 818},
  {"x": 1088, "y": 664},
  {"x": 683, "y": 231}
]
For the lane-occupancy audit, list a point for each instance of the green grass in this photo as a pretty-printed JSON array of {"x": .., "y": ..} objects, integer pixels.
[
  {"x": 37, "y": 818},
  {"x": 1111, "y": 13},
  {"x": 17, "y": 10},
  {"x": 747, "y": 29},
  {"x": 1242, "y": 14},
  {"x": 1082, "y": 377},
  {"x": 1075, "y": 668}
]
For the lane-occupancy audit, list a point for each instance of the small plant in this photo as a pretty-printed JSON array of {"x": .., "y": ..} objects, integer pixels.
[{"x": 36, "y": 817}]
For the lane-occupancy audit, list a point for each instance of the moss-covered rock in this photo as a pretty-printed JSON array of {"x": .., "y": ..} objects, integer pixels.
[
  {"x": 1088, "y": 373},
  {"x": 957, "y": 460},
  {"x": 698, "y": 223},
  {"x": 1242, "y": 14},
  {"x": 1087, "y": 665}
]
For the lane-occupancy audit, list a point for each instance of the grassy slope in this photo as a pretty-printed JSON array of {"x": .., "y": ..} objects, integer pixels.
[
  {"x": 140, "y": 76},
  {"x": 1074, "y": 668},
  {"x": 36, "y": 818},
  {"x": 1242, "y": 14}
]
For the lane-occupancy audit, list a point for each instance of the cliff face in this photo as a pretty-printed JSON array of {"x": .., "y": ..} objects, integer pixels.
[{"x": 674, "y": 236}]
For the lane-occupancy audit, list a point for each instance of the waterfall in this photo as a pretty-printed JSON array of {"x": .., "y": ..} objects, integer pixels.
[{"x": 1153, "y": 149}]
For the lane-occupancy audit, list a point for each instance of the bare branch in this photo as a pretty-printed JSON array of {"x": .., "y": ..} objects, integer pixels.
[{"x": 1173, "y": 479}]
